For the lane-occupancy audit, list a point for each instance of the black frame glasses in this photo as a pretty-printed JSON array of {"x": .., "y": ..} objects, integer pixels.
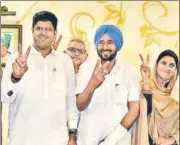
[{"x": 77, "y": 50}]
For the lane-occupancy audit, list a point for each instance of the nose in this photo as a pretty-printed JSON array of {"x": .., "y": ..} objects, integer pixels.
[
  {"x": 76, "y": 53},
  {"x": 168, "y": 68},
  {"x": 105, "y": 46},
  {"x": 43, "y": 32}
]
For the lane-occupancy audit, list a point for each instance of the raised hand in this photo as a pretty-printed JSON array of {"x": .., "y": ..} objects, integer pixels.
[
  {"x": 99, "y": 73},
  {"x": 164, "y": 141},
  {"x": 159, "y": 140},
  {"x": 56, "y": 44},
  {"x": 145, "y": 69},
  {"x": 19, "y": 66},
  {"x": 72, "y": 141},
  {"x": 69, "y": 53}
]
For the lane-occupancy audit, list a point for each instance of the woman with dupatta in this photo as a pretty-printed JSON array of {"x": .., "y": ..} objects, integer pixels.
[{"x": 158, "y": 123}]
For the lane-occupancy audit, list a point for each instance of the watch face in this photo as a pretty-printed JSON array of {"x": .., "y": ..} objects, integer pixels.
[{"x": 72, "y": 132}]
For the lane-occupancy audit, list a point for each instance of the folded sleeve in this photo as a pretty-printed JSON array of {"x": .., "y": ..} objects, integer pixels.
[{"x": 72, "y": 111}]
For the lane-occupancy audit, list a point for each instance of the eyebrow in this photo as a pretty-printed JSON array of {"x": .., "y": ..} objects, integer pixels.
[
  {"x": 172, "y": 63},
  {"x": 167, "y": 62}
]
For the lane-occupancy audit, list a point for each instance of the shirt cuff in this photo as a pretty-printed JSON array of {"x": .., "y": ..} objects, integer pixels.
[
  {"x": 72, "y": 124},
  {"x": 9, "y": 92}
]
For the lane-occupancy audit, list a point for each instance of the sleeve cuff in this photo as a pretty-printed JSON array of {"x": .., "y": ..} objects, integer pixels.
[
  {"x": 116, "y": 135},
  {"x": 9, "y": 92},
  {"x": 72, "y": 124}
]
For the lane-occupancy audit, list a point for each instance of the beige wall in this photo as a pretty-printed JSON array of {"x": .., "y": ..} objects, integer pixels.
[{"x": 148, "y": 27}]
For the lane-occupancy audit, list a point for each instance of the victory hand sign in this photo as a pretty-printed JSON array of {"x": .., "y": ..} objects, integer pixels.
[{"x": 19, "y": 66}]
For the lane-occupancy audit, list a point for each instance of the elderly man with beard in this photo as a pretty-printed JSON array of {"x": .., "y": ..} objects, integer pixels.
[
  {"x": 107, "y": 93},
  {"x": 40, "y": 87}
]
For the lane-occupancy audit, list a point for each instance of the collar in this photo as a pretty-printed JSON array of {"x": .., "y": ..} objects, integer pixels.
[
  {"x": 118, "y": 66},
  {"x": 35, "y": 52}
]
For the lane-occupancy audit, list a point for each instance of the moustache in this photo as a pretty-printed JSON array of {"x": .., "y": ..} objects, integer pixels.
[
  {"x": 42, "y": 36},
  {"x": 107, "y": 50}
]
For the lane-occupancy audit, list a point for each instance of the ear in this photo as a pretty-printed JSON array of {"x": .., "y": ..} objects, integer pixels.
[
  {"x": 55, "y": 34},
  {"x": 86, "y": 56}
]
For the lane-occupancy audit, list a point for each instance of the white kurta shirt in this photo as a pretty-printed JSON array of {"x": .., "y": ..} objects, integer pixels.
[
  {"x": 42, "y": 102},
  {"x": 109, "y": 102}
]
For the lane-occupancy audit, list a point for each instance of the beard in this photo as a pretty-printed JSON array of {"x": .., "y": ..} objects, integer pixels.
[
  {"x": 108, "y": 58},
  {"x": 43, "y": 44},
  {"x": 43, "y": 41}
]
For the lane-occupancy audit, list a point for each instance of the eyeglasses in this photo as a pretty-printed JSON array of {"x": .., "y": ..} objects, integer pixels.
[
  {"x": 77, "y": 50},
  {"x": 46, "y": 29}
]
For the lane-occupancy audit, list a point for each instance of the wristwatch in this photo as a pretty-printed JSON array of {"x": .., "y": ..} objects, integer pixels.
[
  {"x": 14, "y": 79},
  {"x": 72, "y": 132}
]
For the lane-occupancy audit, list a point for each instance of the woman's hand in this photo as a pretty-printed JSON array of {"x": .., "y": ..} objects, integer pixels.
[
  {"x": 145, "y": 69},
  {"x": 164, "y": 141}
]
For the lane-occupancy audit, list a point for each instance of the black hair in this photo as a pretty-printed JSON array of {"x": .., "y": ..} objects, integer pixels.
[
  {"x": 45, "y": 16},
  {"x": 170, "y": 53}
]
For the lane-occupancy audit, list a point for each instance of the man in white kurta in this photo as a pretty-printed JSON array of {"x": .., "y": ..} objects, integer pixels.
[
  {"x": 43, "y": 101},
  {"x": 38, "y": 105},
  {"x": 109, "y": 104}
]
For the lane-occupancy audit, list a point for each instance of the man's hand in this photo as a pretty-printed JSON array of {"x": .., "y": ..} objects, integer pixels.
[
  {"x": 77, "y": 59},
  {"x": 72, "y": 140},
  {"x": 56, "y": 44},
  {"x": 19, "y": 66},
  {"x": 69, "y": 53},
  {"x": 99, "y": 73}
]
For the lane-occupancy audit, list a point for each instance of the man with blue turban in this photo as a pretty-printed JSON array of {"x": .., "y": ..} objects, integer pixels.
[
  {"x": 107, "y": 93},
  {"x": 5, "y": 44}
]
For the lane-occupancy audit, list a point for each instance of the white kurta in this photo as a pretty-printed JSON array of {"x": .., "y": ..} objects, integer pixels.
[
  {"x": 42, "y": 102},
  {"x": 108, "y": 105}
]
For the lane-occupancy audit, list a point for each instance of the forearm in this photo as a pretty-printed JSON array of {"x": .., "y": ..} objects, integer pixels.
[
  {"x": 72, "y": 111},
  {"x": 85, "y": 97},
  {"x": 73, "y": 116},
  {"x": 121, "y": 129},
  {"x": 130, "y": 118}
]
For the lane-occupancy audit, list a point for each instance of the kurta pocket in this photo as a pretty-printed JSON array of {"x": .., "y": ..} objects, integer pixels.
[{"x": 120, "y": 94}]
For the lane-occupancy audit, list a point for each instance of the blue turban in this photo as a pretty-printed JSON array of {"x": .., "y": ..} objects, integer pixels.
[{"x": 113, "y": 32}]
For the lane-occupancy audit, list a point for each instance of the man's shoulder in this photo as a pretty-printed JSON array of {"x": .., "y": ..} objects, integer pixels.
[
  {"x": 60, "y": 55},
  {"x": 57, "y": 53},
  {"x": 126, "y": 67},
  {"x": 89, "y": 64}
]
